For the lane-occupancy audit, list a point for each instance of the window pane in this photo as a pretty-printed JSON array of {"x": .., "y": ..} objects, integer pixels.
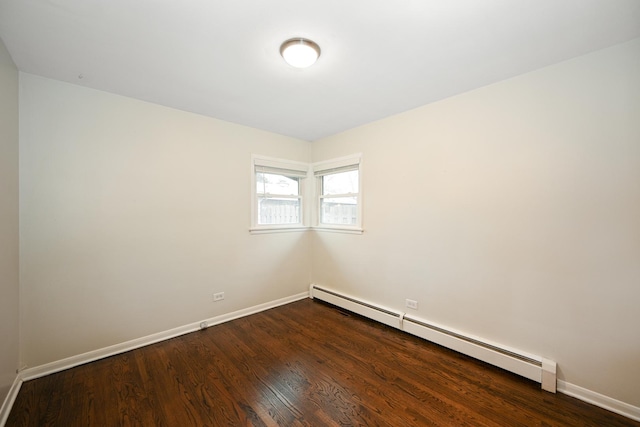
[
  {"x": 339, "y": 210},
  {"x": 340, "y": 183},
  {"x": 278, "y": 211},
  {"x": 269, "y": 183}
]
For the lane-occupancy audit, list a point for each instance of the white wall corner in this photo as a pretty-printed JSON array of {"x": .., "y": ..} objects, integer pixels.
[
  {"x": 549, "y": 379},
  {"x": 10, "y": 400}
]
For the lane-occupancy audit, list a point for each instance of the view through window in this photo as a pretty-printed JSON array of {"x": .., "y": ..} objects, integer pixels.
[
  {"x": 339, "y": 198},
  {"x": 279, "y": 200}
]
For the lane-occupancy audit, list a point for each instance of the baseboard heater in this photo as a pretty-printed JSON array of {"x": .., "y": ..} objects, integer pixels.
[{"x": 533, "y": 367}]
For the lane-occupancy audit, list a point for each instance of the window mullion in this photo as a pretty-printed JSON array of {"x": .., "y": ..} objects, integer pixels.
[
  {"x": 335, "y": 196},
  {"x": 279, "y": 196}
]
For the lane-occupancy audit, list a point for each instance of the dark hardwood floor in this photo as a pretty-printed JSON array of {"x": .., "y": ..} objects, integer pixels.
[{"x": 302, "y": 364}]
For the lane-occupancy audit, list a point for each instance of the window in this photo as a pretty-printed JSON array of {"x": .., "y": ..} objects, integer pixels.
[
  {"x": 338, "y": 190},
  {"x": 278, "y": 189},
  {"x": 283, "y": 199}
]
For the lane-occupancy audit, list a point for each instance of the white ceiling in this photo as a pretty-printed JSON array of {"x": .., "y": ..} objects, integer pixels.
[{"x": 379, "y": 57}]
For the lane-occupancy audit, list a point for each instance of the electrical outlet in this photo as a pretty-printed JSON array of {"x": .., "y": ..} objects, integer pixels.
[
  {"x": 411, "y": 304},
  {"x": 218, "y": 297}
]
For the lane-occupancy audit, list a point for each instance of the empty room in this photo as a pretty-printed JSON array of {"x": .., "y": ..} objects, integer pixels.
[{"x": 320, "y": 213}]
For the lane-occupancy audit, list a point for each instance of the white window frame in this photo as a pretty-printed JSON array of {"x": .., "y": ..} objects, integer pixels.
[
  {"x": 320, "y": 169},
  {"x": 286, "y": 168}
]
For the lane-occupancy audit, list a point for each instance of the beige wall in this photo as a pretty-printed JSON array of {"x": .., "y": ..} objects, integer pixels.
[
  {"x": 511, "y": 212},
  {"x": 9, "y": 290},
  {"x": 133, "y": 215}
]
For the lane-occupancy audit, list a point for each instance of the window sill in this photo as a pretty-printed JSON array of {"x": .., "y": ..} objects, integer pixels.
[
  {"x": 267, "y": 230},
  {"x": 349, "y": 230}
]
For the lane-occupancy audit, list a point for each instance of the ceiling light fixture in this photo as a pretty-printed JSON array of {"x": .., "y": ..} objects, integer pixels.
[{"x": 299, "y": 52}]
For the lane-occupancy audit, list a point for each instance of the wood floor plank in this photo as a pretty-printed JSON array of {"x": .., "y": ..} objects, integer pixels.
[
  {"x": 302, "y": 364},
  {"x": 326, "y": 389},
  {"x": 355, "y": 357}
]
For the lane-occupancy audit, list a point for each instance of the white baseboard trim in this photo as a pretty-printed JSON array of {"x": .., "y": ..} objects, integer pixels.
[
  {"x": 91, "y": 356},
  {"x": 597, "y": 399},
  {"x": 9, "y": 400}
]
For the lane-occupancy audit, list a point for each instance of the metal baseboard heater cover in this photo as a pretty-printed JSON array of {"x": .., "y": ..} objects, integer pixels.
[{"x": 533, "y": 367}]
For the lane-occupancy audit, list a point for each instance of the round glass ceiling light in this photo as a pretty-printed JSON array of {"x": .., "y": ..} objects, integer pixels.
[{"x": 299, "y": 52}]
